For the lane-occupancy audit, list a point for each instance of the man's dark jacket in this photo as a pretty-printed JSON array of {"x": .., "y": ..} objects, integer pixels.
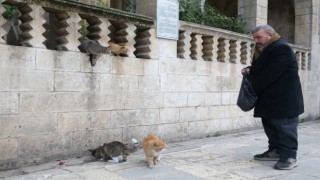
[{"x": 275, "y": 80}]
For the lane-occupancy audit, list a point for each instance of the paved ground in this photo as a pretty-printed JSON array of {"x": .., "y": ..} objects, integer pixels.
[{"x": 225, "y": 157}]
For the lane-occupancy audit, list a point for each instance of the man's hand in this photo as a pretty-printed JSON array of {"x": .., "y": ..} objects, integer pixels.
[{"x": 245, "y": 71}]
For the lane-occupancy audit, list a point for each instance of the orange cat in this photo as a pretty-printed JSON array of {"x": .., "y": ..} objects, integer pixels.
[
  {"x": 117, "y": 49},
  {"x": 153, "y": 146}
]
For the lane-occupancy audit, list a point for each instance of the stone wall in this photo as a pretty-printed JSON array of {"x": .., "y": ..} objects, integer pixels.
[{"x": 54, "y": 104}]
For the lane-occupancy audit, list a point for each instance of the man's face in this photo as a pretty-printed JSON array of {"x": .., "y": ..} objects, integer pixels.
[{"x": 261, "y": 38}]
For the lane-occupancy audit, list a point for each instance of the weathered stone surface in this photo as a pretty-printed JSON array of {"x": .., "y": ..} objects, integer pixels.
[
  {"x": 9, "y": 148},
  {"x": 25, "y": 80},
  {"x": 27, "y": 125},
  {"x": 44, "y": 145},
  {"x": 65, "y": 81},
  {"x": 20, "y": 57},
  {"x": 61, "y": 61},
  {"x": 54, "y": 103},
  {"x": 9, "y": 103}
]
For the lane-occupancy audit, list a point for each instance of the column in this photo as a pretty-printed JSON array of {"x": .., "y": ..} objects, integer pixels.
[{"x": 253, "y": 12}]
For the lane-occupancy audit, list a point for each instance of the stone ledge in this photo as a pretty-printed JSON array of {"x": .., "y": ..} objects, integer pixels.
[{"x": 110, "y": 13}]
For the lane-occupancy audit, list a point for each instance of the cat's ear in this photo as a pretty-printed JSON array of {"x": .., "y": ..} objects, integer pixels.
[{"x": 91, "y": 150}]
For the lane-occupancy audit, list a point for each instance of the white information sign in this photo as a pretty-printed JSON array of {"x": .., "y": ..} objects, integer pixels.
[{"x": 168, "y": 19}]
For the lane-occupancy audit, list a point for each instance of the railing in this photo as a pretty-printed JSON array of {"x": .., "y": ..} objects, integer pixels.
[
  {"x": 198, "y": 42},
  {"x": 56, "y": 24}
]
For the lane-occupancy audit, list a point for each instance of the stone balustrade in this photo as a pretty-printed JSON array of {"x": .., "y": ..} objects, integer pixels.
[
  {"x": 211, "y": 44},
  {"x": 55, "y": 25},
  {"x": 302, "y": 56}
]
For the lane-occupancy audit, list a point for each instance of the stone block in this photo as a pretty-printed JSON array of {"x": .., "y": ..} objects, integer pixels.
[
  {"x": 168, "y": 48},
  {"x": 25, "y": 80},
  {"x": 9, "y": 149},
  {"x": 17, "y": 57},
  {"x": 167, "y": 65},
  {"x": 151, "y": 67},
  {"x": 127, "y": 66},
  {"x": 202, "y": 113},
  {"x": 45, "y": 145},
  {"x": 70, "y": 81},
  {"x": 172, "y": 82},
  {"x": 173, "y": 132},
  {"x": 198, "y": 129},
  {"x": 213, "y": 99},
  {"x": 213, "y": 83},
  {"x": 194, "y": 83},
  {"x": 110, "y": 100},
  {"x": 206, "y": 68},
  {"x": 169, "y": 115},
  {"x": 216, "y": 112},
  {"x": 27, "y": 125},
  {"x": 136, "y": 100},
  {"x": 149, "y": 83},
  {"x": 131, "y": 118},
  {"x": 196, "y": 99},
  {"x": 234, "y": 97},
  {"x": 110, "y": 82},
  {"x": 175, "y": 99},
  {"x": 81, "y": 121},
  {"x": 103, "y": 64},
  {"x": 117, "y": 119},
  {"x": 226, "y": 97},
  {"x": 54, "y": 102},
  {"x": 92, "y": 139},
  {"x": 188, "y": 114},
  {"x": 58, "y": 60},
  {"x": 139, "y": 132},
  {"x": 9, "y": 103}
]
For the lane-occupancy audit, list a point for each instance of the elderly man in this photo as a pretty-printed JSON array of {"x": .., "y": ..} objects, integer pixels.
[{"x": 275, "y": 80}]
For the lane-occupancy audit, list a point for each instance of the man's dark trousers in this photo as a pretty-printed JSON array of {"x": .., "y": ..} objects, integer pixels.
[{"x": 282, "y": 134}]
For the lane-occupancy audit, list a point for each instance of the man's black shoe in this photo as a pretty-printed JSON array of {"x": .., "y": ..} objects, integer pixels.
[
  {"x": 270, "y": 155},
  {"x": 286, "y": 164}
]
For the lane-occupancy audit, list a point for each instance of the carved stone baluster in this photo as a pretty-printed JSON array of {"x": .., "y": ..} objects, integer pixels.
[
  {"x": 68, "y": 26},
  {"x": 298, "y": 58},
  {"x": 308, "y": 61},
  {"x": 2, "y": 22},
  {"x": 199, "y": 46},
  {"x": 98, "y": 29},
  {"x": 131, "y": 29},
  {"x": 32, "y": 20},
  {"x": 215, "y": 48},
  {"x": 233, "y": 51},
  {"x": 193, "y": 48},
  {"x": 184, "y": 45},
  {"x": 251, "y": 51},
  {"x": 207, "y": 48},
  {"x": 120, "y": 35},
  {"x": 154, "y": 54},
  {"x": 304, "y": 61},
  {"x": 221, "y": 50},
  {"x": 143, "y": 43},
  {"x": 196, "y": 47},
  {"x": 243, "y": 53}
]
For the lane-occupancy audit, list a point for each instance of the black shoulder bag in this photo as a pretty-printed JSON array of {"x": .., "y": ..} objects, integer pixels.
[{"x": 246, "y": 98}]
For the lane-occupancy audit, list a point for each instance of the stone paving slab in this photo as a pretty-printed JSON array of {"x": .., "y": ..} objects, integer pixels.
[{"x": 226, "y": 157}]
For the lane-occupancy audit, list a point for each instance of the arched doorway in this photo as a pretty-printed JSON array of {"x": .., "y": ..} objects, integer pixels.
[{"x": 281, "y": 16}]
